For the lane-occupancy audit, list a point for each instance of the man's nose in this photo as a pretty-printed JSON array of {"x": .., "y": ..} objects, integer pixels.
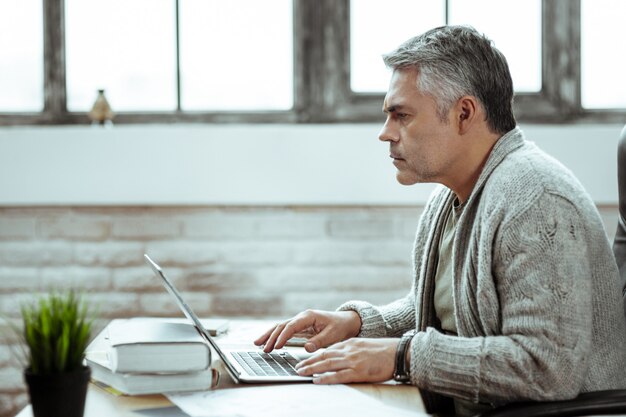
[{"x": 387, "y": 134}]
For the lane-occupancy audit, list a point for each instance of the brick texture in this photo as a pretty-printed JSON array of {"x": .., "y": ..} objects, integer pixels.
[
  {"x": 39, "y": 253},
  {"x": 11, "y": 379},
  {"x": 72, "y": 227},
  {"x": 227, "y": 261},
  {"x": 12, "y": 278},
  {"x": 109, "y": 254},
  {"x": 140, "y": 227},
  {"x": 220, "y": 225},
  {"x": 17, "y": 228}
]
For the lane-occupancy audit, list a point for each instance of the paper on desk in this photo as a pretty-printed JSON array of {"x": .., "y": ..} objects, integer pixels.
[{"x": 300, "y": 400}]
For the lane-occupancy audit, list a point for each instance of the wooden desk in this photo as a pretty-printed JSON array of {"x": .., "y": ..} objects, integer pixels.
[{"x": 103, "y": 404}]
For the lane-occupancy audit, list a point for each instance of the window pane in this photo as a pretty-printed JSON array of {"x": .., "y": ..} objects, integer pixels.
[
  {"x": 603, "y": 54},
  {"x": 518, "y": 38},
  {"x": 369, "y": 40},
  {"x": 124, "y": 47},
  {"x": 21, "y": 56},
  {"x": 236, "y": 55}
]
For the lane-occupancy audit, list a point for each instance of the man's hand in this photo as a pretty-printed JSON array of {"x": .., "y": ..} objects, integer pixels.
[
  {"x": 326, "y": 327},
  {"x": 355, "y": 360}
]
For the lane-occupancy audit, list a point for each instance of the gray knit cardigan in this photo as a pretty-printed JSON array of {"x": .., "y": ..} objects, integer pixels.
[{"x": 536, "y": 297}]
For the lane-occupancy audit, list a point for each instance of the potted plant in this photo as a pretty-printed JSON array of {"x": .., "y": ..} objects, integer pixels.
[{"x": 56, "y": 332}]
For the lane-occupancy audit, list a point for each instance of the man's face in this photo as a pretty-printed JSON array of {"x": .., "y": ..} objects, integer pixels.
[{"x": 421, "y": 145}]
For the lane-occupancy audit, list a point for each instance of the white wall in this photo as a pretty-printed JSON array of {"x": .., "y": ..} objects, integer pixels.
[{"x": 246, "y": 164}]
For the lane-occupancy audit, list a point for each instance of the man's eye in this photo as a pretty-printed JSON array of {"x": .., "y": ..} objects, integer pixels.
[{"x": 401, "y": 116}]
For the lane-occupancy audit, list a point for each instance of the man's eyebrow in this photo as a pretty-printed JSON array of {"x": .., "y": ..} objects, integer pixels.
[{"x": 393, "y": 108}]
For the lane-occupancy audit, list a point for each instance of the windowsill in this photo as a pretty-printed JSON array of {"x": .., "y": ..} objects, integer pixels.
[{"x": 268, "y": 164}]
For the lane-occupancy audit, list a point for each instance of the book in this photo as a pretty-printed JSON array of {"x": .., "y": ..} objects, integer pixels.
[
  {"x": 147, "y": 345},
  {"x": 147, "y": 383}
]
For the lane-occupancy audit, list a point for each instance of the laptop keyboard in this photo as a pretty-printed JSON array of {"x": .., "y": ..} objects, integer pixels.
[{"x": 267, "y": 364}]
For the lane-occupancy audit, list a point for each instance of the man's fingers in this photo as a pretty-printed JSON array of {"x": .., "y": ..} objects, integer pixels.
[
  {"x": 310, "y": 360},
  {"x": 331, "y": 364},
  {"x": 288, "y": 331},
  {"x": 327, "y": 365},
  {"x": 324, "y": 338},
  {"x": 310, "y": 321},
  {"x": 292, "y": 327},
  {"x": 284, "y": 331},
  {"x": 271, "y": 341},
  {"x": 320, "y": 356},
  {"x": 263, "y": 338},
  {"x": 341, "y": 377}
]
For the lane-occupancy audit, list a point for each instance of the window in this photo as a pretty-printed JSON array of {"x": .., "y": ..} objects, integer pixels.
[
  {"x": 290, "y": 61},
  {"x": 21, "y": 56},
  {"x": 519, "y": 39},
  {"x": 236, "y": 55},
  {"x": 131, "y": 55},
  {"x": 367, "y": 72},
  {"x": 233, "y": 55},
  {"x": 603, "y": 54},
  {"x": 546, "y": 79}
]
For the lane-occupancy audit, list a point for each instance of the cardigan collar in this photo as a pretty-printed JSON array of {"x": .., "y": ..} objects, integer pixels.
[{"x": 509, "y": 142}]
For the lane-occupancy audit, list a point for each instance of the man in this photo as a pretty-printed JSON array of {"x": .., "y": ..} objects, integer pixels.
[{"x": 515, "y": 294}]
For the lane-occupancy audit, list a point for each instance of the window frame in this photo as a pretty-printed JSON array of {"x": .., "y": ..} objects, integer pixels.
[
  {"x": 558, "y": 101},
  {"x": 322, "y": 91}
]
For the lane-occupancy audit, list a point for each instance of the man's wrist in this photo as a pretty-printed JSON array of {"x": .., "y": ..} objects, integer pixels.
[{"x": 356, "y": 329}]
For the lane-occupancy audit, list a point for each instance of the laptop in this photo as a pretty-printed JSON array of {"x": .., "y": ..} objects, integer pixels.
[{"x": 253, "y": 366}]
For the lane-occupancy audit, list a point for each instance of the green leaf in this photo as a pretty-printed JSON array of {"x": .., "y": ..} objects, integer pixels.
[
  {"x": 63, "y": 347},
  {"x": 56, "y": 332}
]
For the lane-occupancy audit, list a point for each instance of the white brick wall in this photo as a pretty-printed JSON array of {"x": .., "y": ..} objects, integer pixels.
[
  {"x": 12, "y": 278},
  {"x": 17, "y": 228},
  {"x": 109, "y": 253},
  {"x": 145, "y": 227},
  {"x": 73, "y": 227},
  {"x": 253, "y": 262},
  {"x": 35, "y": 253}
]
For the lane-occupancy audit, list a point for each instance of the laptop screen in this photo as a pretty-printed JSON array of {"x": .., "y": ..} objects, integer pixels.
[{"x": 185, "y": 308}]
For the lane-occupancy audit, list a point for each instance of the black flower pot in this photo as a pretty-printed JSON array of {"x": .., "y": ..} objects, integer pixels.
[{"x": 58, "y": 395}]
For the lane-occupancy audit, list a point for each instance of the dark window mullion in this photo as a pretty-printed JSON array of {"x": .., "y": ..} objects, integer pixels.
[
  {"x": 338, "y": 98},
  {"x": 561, "y": 81},
  {"x": 306, "y": 56},
  {"x": 55, "y": 88},
  {"x": 178, "y": 92},
  {"x": 321, "y": 63}
]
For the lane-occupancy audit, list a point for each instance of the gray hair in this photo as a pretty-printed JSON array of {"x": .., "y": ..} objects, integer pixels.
[{"x": 454, "y": 61}]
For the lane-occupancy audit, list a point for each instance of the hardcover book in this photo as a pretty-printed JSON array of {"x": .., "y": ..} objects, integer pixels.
[
  {"x": 151, "y": 345},
  {"x": 148, "y": 383}
]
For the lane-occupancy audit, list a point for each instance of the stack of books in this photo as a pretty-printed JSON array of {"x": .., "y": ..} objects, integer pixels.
[{"x": 148, "y": 356}]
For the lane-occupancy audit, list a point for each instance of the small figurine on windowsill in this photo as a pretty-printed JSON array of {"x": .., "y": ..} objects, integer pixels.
[{"x": 101, "y": 113}]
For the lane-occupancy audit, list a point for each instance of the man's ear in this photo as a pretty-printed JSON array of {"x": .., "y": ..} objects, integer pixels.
[{"x": 466, "y": 109}]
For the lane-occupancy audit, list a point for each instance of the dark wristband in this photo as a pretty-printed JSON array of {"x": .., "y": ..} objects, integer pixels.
[{"x": 402, "y": 373}]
